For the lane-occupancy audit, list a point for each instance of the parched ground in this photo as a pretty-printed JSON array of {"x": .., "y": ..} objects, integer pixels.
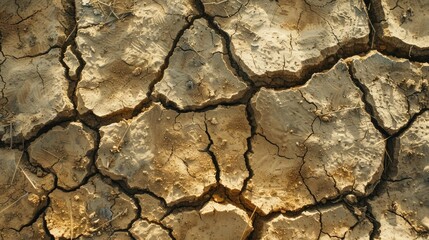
[{"x": 214, "y": 119}]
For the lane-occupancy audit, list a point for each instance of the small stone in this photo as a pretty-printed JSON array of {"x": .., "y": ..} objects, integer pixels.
[
  {"x": 351, "y": 199},
  {"x": 34, "y": 199},
  {"x": 137, "y": 71}
]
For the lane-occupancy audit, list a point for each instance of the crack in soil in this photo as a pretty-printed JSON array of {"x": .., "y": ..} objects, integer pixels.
[{"x": 389, "y": 160}]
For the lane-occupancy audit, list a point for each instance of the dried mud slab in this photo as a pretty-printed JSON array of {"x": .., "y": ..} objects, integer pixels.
[
  {"x": 229, "y": 129},
  {"x": 305, "y": 226},
  {"x": 120, "y": 236},
  {"x": 400, "y": 25},
  {"x": 160, "y": 150},
  {"x": 23, "y": 190},
  {"x": 144, "y": 230},
  {"x": 124, "y": 57},
  {"x": 72, "y": 62},
  {"x": 93, "y": 211},
  {"x": 403, "y": 208},
  {"x": 312, "y": 144},
  {"x": 66, "y": 151},
  {"x": 213, "y": 221},
  {"x": 199, "y": 73},
  {"x": 34, "y": 231},
  {"x": 30, "y": 28},
  {"x": 335, "y": 222},
  {"x": 152, "y": 209},
  {"x": 290, "y": 38},
  {"x": 396, "y": 89},
  {"x": 34, "y": 94},
  {"x": 360, "y": 231}
]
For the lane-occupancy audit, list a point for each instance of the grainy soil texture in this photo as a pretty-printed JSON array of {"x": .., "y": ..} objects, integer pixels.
[{"x": 214, "y": 119}]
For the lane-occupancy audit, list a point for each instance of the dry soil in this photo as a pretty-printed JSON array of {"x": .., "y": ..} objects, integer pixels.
[{"x": 214, "y": 119}]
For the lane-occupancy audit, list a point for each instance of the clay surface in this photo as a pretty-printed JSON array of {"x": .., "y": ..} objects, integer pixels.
[
  {"x": 95, "y": 210},
  {"x": 124, "y": 58},
  {"x": 34, "y": 93},
  {"x": 399, "y": 25},
  {"x": 285, "y": 39},
  {"x": 309, "y": 144},
  {"x": 336, "y": 222},
  {"x": 199, "y": 73},
  {"x": 152, "y": 209},
  {"x": 214, "y": 119},
  {"x": 396, "y": 88},
  {"x": 143, "y": 230},
  {"x": 66, "y": 151},
  {"x": 160, "y": 150},
  {"x": 405, "y": 199},
  {"x": 23, "y": 190},
  {"x": 30, "y": 28},
  {"x": 205, "y": 224}
]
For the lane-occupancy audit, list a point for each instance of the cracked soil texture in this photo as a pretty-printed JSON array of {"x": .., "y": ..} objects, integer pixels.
[{"x": 214, "y": 119}]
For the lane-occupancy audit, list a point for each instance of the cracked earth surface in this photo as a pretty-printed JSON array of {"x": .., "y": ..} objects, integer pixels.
[{"x": 213, "y": 119}]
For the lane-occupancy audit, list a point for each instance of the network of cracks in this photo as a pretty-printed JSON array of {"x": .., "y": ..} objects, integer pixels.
[{"x": 210, "y": 119}]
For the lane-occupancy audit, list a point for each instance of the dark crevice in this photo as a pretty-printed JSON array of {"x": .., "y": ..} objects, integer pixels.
[
  {"x": 34, "y": 55},
  {"x": 227, "y": 41},
  {"x": 408, "y": 222},
  {"x": 368, "y": 107},
  {"x": 45, "y": 227},
  {"x": 91, "y": 168},
  {"x": 39, "y": 213},
  {"x": 253, "y": 125},
  {"x": 371, "y": 21},
  {"x": 283, "y": 79},
  {"x": 94, "y": 122},
  {"x": 196, "y": 204},
  {"x": 210, "y": 152},
  {"x": 136, "y": 204},
  {"x": 375, "y": 233},
  {"x": 390, "y": 161},
  {"x": 166, "y": 103},
  {"x": 410, "y": 122},
  {"x": 166, "y": 63},
  {"x": 304, "y": 179}
]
